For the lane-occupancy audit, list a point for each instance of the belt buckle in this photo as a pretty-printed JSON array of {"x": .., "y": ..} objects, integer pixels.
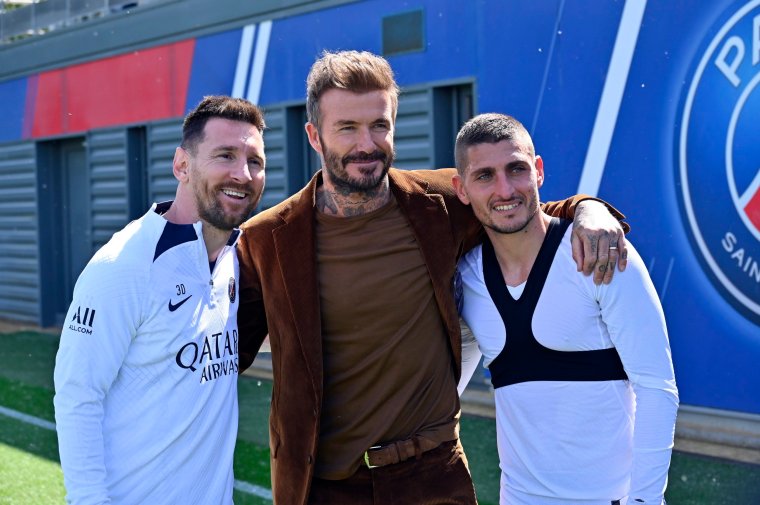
[{"x": 366, "y": 456}]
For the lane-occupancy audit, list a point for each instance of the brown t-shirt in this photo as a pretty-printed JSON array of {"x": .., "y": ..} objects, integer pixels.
[{"x": 388, "y": 372}]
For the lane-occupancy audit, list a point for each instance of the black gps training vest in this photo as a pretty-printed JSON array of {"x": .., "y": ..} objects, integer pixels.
[{"x": 523, "y": 358}]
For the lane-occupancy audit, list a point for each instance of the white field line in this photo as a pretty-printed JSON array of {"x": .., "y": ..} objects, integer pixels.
[
  {"x": 612, "y": 97},
  {"x": 26, "y": 418},
  {"x": 240, "y": 485}
]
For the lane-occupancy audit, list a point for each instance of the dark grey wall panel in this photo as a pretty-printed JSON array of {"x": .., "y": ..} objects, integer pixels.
[
  {"x": 19, "y": 258},
  {"x": 275, "y": 149},
  {"x": 414, "y": 130},
  {"x": 163, "y": 139},
  {"x": 107, "y": 154}
]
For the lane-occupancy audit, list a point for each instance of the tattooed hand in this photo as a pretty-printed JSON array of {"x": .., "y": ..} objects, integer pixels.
[{"x": 598, "y": 242}]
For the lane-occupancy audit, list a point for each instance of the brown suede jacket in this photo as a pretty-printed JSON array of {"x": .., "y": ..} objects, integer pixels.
[{"x": 279, "y": 296}]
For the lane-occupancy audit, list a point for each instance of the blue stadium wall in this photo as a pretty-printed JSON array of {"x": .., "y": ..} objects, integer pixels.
[{"x": 651, "y": 105}]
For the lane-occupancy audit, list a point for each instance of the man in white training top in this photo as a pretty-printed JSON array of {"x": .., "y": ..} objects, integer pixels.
[
  {"x": 585, "y": 393},
  {"x": 146, "y": 373}
]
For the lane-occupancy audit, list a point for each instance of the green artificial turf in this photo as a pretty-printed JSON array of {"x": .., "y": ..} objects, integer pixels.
[
  {"x": 479, "y": 441},
  {"x": 29, "y": 468},
  {"x": 28, "y": 357},
  {"x": 702, "y": 480},
  {"x": 31, "y": 474}
]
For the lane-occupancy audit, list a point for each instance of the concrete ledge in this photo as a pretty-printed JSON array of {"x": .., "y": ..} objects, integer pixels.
[
  {"x": 261, "y": 367},
  {"x": 720, "y": 433}
]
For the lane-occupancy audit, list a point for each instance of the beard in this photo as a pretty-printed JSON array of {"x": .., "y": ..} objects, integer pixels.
[
  {"x": 517, "y": 226},
  {"x": 212, "y": 211},
  {"x": 335, "y": 166}
]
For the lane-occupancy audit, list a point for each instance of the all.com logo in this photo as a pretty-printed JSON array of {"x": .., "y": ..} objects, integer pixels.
[{"x": 719, "y": 158}]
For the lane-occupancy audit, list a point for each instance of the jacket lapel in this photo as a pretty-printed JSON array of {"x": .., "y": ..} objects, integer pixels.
[
  {"x": 295, "y": 245},
  {"x": 428, "y": 218}
]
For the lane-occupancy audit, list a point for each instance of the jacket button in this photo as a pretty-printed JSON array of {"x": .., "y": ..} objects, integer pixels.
[
  {"x": 309, "y": 459},
  {"x": 314, "y": 411}
]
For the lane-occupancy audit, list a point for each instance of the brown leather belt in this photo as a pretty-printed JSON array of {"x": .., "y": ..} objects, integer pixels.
[{"x": 396, "y": 452}]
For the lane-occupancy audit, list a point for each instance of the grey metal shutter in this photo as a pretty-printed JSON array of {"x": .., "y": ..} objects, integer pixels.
[
  {"x": 163, "y": 138},
  {"x": 19, "y": 258},
  {"x": 274, "y": 147},
  {"x": 107, "y": 155},
  {"x": 414, "y": 130}
]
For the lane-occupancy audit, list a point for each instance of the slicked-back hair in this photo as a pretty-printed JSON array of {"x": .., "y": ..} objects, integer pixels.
[
  {"x": 355, "y": 71},
  {"x": 489, "y": 128},
  {"x": 225, "y": 107}
]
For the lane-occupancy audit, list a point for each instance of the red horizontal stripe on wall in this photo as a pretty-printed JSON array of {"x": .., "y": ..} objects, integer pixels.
[{"x": 140, "y": 86}]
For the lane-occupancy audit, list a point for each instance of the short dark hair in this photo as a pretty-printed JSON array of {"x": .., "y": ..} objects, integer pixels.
[
  {"x": 356, "y": 71},
  {"x": 225, "y": 107},
  {"x": 487, "y": 128}
]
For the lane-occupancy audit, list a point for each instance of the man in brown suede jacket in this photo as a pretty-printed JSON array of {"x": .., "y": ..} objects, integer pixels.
[{"x": 351, "y": 278}]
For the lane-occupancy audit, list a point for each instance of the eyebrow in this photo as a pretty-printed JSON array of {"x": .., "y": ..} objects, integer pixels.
[
  {"x": 350, "y": 122},
  {"x": 517, "y": 162},
  {"x": 231, "y": 148},
  {"x": 345, "y": 122},
  {"x": 490, "y": 168},
  {"x": 481, "y": 170},
  {"x": 224, "y": 148}
]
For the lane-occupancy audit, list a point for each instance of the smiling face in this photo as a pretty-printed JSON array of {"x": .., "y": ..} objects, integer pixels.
[
  {"x": 225, "y": 172},
  {"x": 355, "y": 138},
  {"x": 501, "y": 182}
]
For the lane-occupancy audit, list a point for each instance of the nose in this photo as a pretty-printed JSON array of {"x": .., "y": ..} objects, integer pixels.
[
  {"x": 364, "y": 142},
  {"x": 243, "y": 173},
  {"x": 504, "y": 187}
]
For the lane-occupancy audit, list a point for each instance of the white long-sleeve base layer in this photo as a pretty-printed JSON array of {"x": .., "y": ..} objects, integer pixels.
[
  {"x": 581, "y": 443},
  {"x": 146, "y": 373}
]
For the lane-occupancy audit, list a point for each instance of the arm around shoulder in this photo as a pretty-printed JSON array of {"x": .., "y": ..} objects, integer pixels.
[{"x": 568, "y": 207}]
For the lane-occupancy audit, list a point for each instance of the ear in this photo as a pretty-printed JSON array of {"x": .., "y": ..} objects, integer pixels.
[
  {"x": 181, "y": 164},
  {"x": 458, "y": 183},
  {"x": 539, "y": 171},
  {"x": 313, "y": 134}
]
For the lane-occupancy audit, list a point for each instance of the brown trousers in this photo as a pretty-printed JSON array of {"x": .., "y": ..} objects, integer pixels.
[{"x": 439, "y": 477}]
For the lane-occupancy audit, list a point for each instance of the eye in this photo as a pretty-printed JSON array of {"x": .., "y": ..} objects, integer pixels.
[
  {"x": 483, "y": 176},
  {"x": 225, "y": 156},
  {"x": 381, "y": 126}
]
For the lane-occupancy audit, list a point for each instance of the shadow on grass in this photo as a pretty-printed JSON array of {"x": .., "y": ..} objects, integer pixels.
[
  {"x": 29, "y": 357},
  {"x": 28, "y": 438}
]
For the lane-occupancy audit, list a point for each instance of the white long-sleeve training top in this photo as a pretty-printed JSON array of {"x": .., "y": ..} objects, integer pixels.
[
  {"x": 146, "y": 373},
  {"x": 580, "y": 442}
]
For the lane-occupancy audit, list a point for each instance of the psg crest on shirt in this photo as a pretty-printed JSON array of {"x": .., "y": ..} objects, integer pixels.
[
  {"x": 719, "y": 157},
  {"x": 232, "y": 290}
]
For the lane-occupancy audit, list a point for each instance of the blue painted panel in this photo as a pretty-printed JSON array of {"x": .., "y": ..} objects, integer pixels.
[
  {"x": 13, "y": 100},
  {"x": 514, "y": 42},
  {"x": 297, "y": 41},
  {"x": 552, "y": 81},
  {"x": 546, "y": 63},
  {"x": 568, "y": 103},
  {"x": 213, "y": 70},
  {"x": 716, "y": 343}
]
